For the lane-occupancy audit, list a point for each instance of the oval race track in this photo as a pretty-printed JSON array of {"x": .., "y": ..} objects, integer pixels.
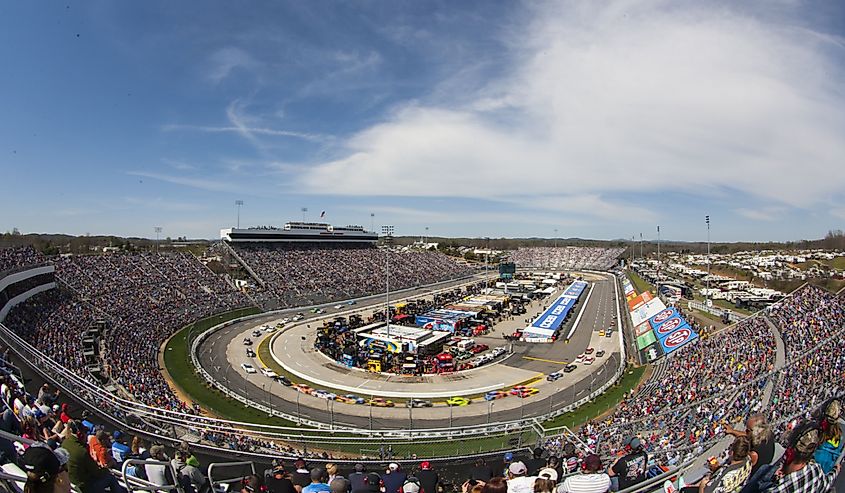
[{"x": 222, "y": 353}]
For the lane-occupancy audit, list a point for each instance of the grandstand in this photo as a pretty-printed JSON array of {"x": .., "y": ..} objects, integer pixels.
[
  {"x": 300, "y": 274},
  {"x": 786, "y": 362},
  {"x": 565, "y": 258}
]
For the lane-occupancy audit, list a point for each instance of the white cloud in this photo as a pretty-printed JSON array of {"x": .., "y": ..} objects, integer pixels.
[
  {"x": 769, "y": 214},
  {"x": 617, "y": 97},
  {"x": 228, "y": 59}
]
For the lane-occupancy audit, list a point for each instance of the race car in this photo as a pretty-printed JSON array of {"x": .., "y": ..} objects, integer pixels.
[
  {"x": 256, "y": 333},
  {"x": 551, "y": 377},
  {"x": 325, "y": 394},
  {"x": 580, "y": 358},
  {"x": 589, "y": 350},
  {"x": 495, "y": 394},
  {"x": 248, "y": 368},
  {"x": 354, "y": 399},
  {"x": 589, "y": 360},
  {"x": 283, "y": 380},
  {"x": 301, "y": 387},
  {"x": 599, "y": 353},
  {"x": 380, "y": 402},
  {"x": 348, "y": 399},
  {"x": 418, "y": 403},
  {"x": 525, "y": 392},
  {"x": 351, "y": 302},
  {"x": 338, "y": 307},
  {"x": 479, "y": 348},
  {"x": 570, "y": 368},
  {"x": 269, "y": 373},
  {"x": 250, "y": 353},
  {"x": 247, "y": 341},
  {"x": 458, "y": 401}
]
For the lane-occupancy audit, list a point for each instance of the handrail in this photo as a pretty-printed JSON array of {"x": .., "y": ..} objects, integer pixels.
[
  {"x": 147, "y": 485},
  {"x": 218, "y": 465}
]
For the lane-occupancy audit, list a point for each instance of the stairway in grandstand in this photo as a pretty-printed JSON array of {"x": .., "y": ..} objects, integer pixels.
[
  {"x": 231, "y": 251},
  {"x": 653, "y": 382}
]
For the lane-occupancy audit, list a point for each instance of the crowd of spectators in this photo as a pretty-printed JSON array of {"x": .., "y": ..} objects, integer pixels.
[
  {"x": 683, "y": 407},
  {"x": 144, "y": 297},
  {"x": 566, "y": 258},
  {"x": 307, "y": 274},
  {"x": 807, "y": 319},
  {"x": 13, "y": 258}
]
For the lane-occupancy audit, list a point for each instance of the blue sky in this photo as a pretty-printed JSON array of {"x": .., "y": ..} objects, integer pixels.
[{"x": 598, "y": 119}]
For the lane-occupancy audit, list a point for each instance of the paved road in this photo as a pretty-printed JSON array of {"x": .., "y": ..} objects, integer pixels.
[{"x": 225, "y": 345}]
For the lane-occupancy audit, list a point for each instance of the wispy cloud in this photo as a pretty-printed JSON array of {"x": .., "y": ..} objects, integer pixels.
[
  {"x": 198, "y": 183},
  {"x": 243, "y": 124},
  {"x": 180, "y": 165},
  {"x": 763, "y": 214},
  {"x": 622, "y": 97},
  {"x": 243, "y": 130},
  {"x": 225, "y": 60}
]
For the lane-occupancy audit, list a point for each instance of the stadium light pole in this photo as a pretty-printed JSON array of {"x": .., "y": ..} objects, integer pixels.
[
  {"x": 304, "y": 210},
  {"x": 238, "y": 204},
  {"x": 373, "y": 222},
  {"x": 298, "y": 415},
  {"x": 489, "y": 410},
  {"x": 641, "y": 246},
  {"x": 387, "y": 232},
  {"x": 707, "y": 284},
  {"x": 658, "y": 251},
  {"x": 486, "y": 264},
  {"x": 158, "y": 235}
]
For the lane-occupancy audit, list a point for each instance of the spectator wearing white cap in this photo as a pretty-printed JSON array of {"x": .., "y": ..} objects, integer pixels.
[
  {"x": 518, "y": 482},
  {"x": 394, "y": 478}
]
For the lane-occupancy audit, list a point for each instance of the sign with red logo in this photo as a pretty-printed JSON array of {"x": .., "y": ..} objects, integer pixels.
[
  {"x": 668, "y": 326},
  {"x": 678, "y": 338}
]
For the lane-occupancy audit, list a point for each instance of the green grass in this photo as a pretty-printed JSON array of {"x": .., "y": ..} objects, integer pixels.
[
  {"x": 178, "y": 363},
  {"x": 601, "y": 404},
  {"x": 639, "y": 283}
]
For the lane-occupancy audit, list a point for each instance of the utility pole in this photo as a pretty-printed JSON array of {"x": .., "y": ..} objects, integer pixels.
[
  {"x": 641, "y": 246},
  {"x": 387, "y": 232},
  {"x": 238, "y": 204}
]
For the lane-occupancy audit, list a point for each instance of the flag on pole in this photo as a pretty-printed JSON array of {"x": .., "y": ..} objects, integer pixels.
[{"x": 322, "y": 214}]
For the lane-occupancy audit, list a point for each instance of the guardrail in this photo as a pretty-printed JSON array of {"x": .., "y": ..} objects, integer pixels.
[{"x": 161, "y": 423}]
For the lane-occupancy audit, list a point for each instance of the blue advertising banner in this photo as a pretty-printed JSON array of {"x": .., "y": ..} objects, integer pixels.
[
  {"x": 677, "y": 339},
  {"x": 555, "y": 314}
]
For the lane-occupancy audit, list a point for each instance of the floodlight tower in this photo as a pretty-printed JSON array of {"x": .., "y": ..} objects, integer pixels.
[
  {"x": 707, "y": 284},
  {"x": 387, "y": 233},
  {"x": 238, "y": 204},
  {"x": 658, "y": 250},
  {"x": 158, "y": 235},
  {"x": 304, "y": 210}
]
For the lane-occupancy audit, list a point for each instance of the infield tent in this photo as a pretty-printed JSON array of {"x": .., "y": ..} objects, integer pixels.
[{"x": 545, "y": 326}]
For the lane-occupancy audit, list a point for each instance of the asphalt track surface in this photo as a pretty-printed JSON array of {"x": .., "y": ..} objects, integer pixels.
[{"x": 541, "y": 358}]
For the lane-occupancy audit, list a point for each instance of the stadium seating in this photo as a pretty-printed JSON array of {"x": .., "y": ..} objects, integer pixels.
[
  {"x": 566, "y": 258},
  {"x": 679, "y": 414},
  {"x": 301, "y": 275}
]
